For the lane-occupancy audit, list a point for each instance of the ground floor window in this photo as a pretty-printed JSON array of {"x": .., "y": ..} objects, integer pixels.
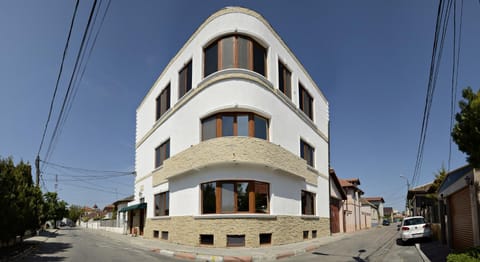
[
  {"x": 161, "y": 204},
  {"x": 235, "y": 197},
  {"x": 308, "y": 203}
]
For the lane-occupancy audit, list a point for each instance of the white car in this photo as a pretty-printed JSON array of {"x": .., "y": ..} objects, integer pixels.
[{"x": 414, "y": 228}]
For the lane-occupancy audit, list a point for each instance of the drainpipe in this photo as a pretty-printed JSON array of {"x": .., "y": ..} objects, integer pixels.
[{"x": 329, "y": 182}]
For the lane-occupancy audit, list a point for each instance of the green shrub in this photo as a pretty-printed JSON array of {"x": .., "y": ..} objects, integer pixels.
[{"x": 469, "y": 255}]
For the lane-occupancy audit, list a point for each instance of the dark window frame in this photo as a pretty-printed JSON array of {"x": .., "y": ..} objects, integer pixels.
[
  {"x": 185, "y": 79},
  {"x": 253, "y": 185},
  {"x": 251, "y": 124},
  {"x": 163, "y": 102},
  {"x": 307, "y": 152},
  {"x": 304, "y": 202},
  {"x": 164, "y": 198},
  {"x": 304, "y": 96},
  {"x": 252, "y": 46},
  {"x": 207, "y": 239},
  {"x": 162, "y": 153},
  {"x": 236, "y": 237},
  {"x": 284, "y": 79}
]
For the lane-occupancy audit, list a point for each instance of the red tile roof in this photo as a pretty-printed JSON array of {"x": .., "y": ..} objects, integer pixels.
[{"x": 375, "y": 199}]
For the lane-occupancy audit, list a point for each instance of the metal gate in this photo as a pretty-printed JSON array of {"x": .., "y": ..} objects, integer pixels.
[{"x": 461, "y": 216}]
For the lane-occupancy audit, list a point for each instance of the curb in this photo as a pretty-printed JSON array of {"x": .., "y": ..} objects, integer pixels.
[
  {"x": 226, "y": 258},
  {"x": 424, "y": 257}
]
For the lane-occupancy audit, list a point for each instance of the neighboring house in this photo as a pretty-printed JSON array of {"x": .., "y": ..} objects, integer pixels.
[
  {"x": 108, "y": 211},
  {"x": 378, "y": 202},
  {"x": 119, "y": 205},
  {"x": 423, "y": 202},
  {"x": 337, "y": 196},
  {"x": 459, "y": 202},
  {"x": 351, "y": 207},
  {"x": 369, "y": 214},
  {"x": 388, "y": 213},
  {"x": 232, "y": 142}
]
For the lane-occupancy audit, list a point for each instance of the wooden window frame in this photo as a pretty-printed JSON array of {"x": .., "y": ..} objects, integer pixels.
[
  {"x": 251, "y": 123},
  {"x": 165, "y": 203},
  {"x": 163, "y": 148},
  {"x": 302, "y": 92},
  {"x": 307, "y": 150},
  {"x": 159, "y": 102},
  {"x": 188, "y": 76},
  {"x": 235, "y": 56},
  {"x": 283, "y": 72},
  {"x": 313, "y": 202},
  {"x": 251, "y": 197}
]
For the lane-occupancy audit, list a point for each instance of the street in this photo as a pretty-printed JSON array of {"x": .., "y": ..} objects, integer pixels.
[
  {"x": 378, "y": 244},
  {"x": 75, "y": 244}
]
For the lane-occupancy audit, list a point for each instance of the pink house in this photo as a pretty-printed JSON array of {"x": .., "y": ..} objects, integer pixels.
[{"x": 352, "y": 216}]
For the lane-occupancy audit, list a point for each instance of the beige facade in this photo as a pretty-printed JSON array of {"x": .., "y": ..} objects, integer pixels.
[
  {"x": 186, "y": 230},
  {"x": 352, "y": 206}
]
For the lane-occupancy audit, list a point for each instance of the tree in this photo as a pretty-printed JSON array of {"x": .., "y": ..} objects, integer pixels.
[
  {"x": 54, "y": 209},
  {"x": 439, "y": 177},
  {"x": 74, "y": 213},
  {"x": 466, "y": 132},
  {"x": 20, "y": 198}
]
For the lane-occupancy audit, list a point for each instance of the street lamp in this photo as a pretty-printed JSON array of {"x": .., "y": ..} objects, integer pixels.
[{"x": 407, "y": 211}]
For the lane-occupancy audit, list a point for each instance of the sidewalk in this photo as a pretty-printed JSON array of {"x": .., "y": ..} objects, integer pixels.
[
  {"x": 28, "y": 245},
  {"x": 223, "y": 254},
  {"x": 433, "y": 251}
]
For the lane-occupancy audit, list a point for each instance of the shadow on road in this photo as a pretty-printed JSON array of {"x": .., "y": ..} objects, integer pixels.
[
  {"x": 355, "y": 258},
  {"x": 44, "y": 251},
  {"x": 435, "y": 250}
]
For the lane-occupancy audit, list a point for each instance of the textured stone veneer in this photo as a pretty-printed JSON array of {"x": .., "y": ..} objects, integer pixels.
[
  {"x": 230, "y": 150},
  {"x": 186, "y": 230}
]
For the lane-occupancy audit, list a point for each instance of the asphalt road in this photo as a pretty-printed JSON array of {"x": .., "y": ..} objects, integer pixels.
[
  {"x": 71, "y": 244},
  {"x": 379, "y": 244}
]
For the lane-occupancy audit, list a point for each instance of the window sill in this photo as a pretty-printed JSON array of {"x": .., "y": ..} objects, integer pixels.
[
  {"x": 236, "y": 216},
  {"x": 310, "y": 217},
  {"x": 161, "y": 218}
]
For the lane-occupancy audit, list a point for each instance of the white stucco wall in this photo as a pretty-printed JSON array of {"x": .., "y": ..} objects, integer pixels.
[{"x": 183, "y": 128}]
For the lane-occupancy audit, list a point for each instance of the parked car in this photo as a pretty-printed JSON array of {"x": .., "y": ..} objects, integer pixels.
[
  {"x": 414, "y": 228},
  {"x": 386, "y": 222}
]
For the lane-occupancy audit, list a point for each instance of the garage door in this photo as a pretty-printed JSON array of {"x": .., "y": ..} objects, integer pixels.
[
  {"x": 461, "y": 214},
  {"x": 335, "y": 215}
]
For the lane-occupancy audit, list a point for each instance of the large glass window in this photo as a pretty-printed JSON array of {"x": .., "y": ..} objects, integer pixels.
[
  {"x": 162, "y": 153},
  {"x": 234, "y": 124},
  {"x": 185, "y": 80},
  {"x": 307, "y": 152},
  {"x": 284, "y": 80},
  {"x": 305, "y": 101},
  {"x": 163, "y": 102},
  {"x": 308, "y": 203},
  {"x": 161, "y": 204},
  {"x": 234, "y": 197},
  {"x": 234, "y": 51}
]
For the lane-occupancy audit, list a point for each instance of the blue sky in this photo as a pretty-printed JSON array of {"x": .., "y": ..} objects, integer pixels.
[{"x": 370, "y": 58}]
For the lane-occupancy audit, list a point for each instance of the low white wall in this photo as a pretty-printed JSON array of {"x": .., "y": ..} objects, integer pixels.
[{"x": 96, "y": 225}]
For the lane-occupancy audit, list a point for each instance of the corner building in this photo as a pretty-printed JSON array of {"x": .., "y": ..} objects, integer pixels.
[{"x": 232, "y": 142}]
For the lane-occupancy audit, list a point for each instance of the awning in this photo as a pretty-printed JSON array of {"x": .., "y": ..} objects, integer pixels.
[{"x": 133, "y": 207}]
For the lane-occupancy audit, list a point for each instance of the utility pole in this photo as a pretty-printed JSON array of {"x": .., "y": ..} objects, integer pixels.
[
  {"x": 407, "y": 211},
  {"x": 37, "y": 167}
]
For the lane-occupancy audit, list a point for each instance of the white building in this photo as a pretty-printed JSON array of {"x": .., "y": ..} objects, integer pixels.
[{"x": 232, "y": 142}]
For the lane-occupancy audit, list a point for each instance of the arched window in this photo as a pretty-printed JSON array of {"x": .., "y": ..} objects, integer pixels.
[
  {"x": 234, "y": 51},
  {"x": 235, "y": 124}
]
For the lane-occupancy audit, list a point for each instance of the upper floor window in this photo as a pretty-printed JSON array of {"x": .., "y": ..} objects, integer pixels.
[
  {"x": 234, "y": 124},
  {"x": 162, "y": 153},
  {"x": 163, "y": 102},
  {"x": 308, "y": 203},
  {"x": 307, "y": 152},
  {"x": 185, "y": 80},
  {"x": 235, "y": 197},
  {"x": 161, "y": 204},
  {"x": 234, "y": 51},
  {"x": 284, "y": 80},
  {"x": 305, "y": 101}
]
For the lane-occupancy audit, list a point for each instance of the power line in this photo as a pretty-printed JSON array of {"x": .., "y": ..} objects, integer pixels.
[
  {"x": 58, "y": 77},
  {"x": 65, "y": 99},
  {"x": 456, "y": 61},
  {"x": 89, "y": 170},
  {"x": 443, "y": 15}
]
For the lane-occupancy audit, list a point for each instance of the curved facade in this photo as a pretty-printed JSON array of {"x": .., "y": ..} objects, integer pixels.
[{"x": 232, "y": 141}]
